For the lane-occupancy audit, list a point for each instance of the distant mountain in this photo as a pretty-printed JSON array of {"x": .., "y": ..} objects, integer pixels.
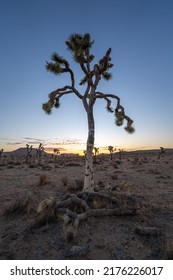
[
  {"x": 167, "y": 150},
  {"x": 23, "y": 152},
  {"x": 20, "y": 152}
]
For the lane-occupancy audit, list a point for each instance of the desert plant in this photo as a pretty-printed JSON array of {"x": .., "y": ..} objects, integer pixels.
[
  {"x": 46, "y": 210},
  {"x": 28, "y": 150},
  {"x": 21, "y": 205},
  {"x": 43, "y": 180},
  {"x": 120, "y": 153},
  {"x": 64, "y": 180},
  {"x": 161, "y": 152},
  {"x": 111, "y": 149},
  {"x": 96, "y": 152},
  {"x": 1, "y": 151},
  {"x": 56, "y": 151},
  {"x": 80, "y": 46},
  {"x": 39, "y": 150}
]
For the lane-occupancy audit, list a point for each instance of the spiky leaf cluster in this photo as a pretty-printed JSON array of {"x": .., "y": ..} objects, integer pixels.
[
  {"x": 129, "y": 129},
  {"x": 80, "y": 45},
  {"x": 83, "y": 81},
  {"x": 107, "y": 76},
  {"x": 105, "y": 65},
  {"x": 58, "y": 66},
  {"x": 47, "y": 106}
]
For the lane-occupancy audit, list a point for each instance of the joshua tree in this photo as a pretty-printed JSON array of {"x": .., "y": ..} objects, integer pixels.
[
  {"x": 161, "y": 152},
  {"x": 111, "y": 149},
  {"x": 1, "y": 151},
  {"x": 39, "y": 150},
  {"x": 96, "y": 152},
  {"x": 120, "y": 153},
  {"x": 29, "y": 150},
  {"x": 80, "y": 46},
  {"x": 56, "y": 151}
]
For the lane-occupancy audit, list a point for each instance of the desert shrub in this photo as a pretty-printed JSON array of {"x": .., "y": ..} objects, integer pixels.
[
  {"x": 46, "y": 210},
  {"x": 72, "y": 163},
  {"x": 64, "y": 180},
  {"x": 19, "y": 206},
  {"x": 76, "y": 186},
  {"x": 46, "y": 167},
  {"x": 79, "y": 184},
  {"x": 43, "y": 180},
  {"x": 166, "y": 247},
  {"x": 69, "y": 232}
]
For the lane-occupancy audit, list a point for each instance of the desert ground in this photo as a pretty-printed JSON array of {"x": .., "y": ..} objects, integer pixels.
[{"x": 140, "y": 181}]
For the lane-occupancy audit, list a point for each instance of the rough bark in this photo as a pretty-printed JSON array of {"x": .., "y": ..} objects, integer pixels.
[{"x": 89, "y": 179}]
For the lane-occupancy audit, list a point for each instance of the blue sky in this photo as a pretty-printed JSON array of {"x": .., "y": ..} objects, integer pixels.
[{"x": 140, "y": 33}]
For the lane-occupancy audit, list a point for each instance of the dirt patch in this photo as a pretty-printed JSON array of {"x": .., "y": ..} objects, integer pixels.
[{"x": 27, "y": 235}]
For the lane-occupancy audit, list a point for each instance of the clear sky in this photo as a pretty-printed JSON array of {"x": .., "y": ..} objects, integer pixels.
[{"x": 140, "y": 33}]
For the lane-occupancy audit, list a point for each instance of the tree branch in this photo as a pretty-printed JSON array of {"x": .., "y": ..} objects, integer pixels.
[
  {"x": 64, "y": 90},
  {"x": 119, "y": 107}
]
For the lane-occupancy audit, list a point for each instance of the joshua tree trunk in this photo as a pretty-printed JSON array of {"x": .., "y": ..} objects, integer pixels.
[{"x": 89, "y": 179}]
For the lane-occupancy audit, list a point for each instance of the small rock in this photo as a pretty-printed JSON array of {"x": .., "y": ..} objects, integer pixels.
[{"x": 76, "y": 251}]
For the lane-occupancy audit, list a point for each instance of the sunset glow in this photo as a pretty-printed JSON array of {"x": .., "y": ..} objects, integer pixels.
[{"x": 138, "y": 33}]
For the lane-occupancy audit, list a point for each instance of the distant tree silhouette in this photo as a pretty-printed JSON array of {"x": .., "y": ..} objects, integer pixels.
[
  {"x": 96, "y": 152},
  {"x": 161, "y": 152},
  {"x": 1, "y": 151},
  {"x": 28, "y": 150},
  {"x": 39, "y": 150},
  {"x": 56, "y": 151},
  {"x": 80, "y": 46},
  {"x": 111, "y": 149},
  {"x": 120, "y": 153}
]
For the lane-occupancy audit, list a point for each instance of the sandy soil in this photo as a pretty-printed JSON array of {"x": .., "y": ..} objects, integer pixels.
[{"x": 23, "y": 235}]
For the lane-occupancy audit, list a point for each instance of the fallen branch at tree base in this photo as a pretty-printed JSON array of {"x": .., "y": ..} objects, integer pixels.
[{"x": 79, "y": 207}]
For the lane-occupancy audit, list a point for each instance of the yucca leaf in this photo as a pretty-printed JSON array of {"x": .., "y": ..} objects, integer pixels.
[
  {"x": 129, "y": 129},
  {"x": 55, "y": 57},
  {"x": 107, "y": 76},
  {"x": 83, "y": 81},
  {"x": 54, "y": 68},
  {"x": 91, "y": 57},
  {"x": 47, "y": 107}
]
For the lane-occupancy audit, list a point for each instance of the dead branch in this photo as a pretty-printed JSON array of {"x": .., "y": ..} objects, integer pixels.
[{"x": 112, "y": 199}]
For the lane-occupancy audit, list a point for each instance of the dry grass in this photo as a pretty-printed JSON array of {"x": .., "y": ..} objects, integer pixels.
[
  {"x": 46, "y": 210},
  {"x": 166, "y": 248},
  {"x": 64, "y": 180},
  {"x": 43, "y": 180},
  {"x": 79, "y": 184},
  {"x": 21, "y": 205}
]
